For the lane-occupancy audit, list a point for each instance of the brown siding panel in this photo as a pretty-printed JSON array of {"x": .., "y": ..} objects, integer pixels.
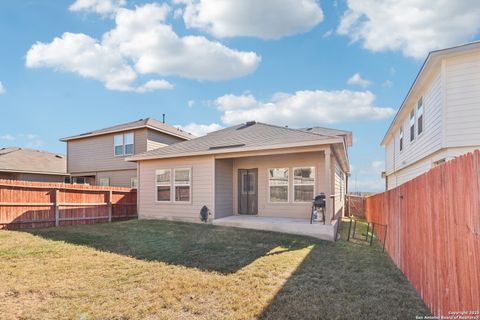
[{"x": 223, "y": 188}]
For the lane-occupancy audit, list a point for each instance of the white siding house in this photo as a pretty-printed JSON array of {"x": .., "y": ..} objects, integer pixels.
[{"x": 439, "y": 118}]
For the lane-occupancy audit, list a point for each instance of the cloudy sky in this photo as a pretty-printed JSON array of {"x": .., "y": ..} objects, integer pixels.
[{"x": 68, "y": 67}]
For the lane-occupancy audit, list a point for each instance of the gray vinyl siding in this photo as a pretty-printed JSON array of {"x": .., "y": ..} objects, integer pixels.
[
  {"x": 94, "y": 154},
  {"x": 463, "y": 100},
  {"x": 157, "y": 139},
  {"x": 223, "y": 188},
  {"x": 121, "y": 178},
  {"x": 31, "y": 177},
  {"x": 339, "y": 188}
]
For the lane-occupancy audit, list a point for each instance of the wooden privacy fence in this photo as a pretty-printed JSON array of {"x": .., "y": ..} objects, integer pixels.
[
  {"x": 36, "y": 205},
  {"x": 433, "y": 233},
  {"x": 355, "y": 206}
]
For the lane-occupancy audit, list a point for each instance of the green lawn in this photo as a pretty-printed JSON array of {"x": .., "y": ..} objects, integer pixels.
[{"x": 173, "y": 270}]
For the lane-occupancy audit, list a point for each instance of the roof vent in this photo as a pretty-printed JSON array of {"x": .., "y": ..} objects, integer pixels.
[
  {"x": 227, "y": 146},
  {"x": 250, "y": 123},
  {"x": 59, "y": 156},
  {"x": 309, "y": 129}
]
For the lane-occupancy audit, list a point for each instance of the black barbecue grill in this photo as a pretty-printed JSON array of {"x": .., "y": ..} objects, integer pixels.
[{"x": 318, "y": 206}]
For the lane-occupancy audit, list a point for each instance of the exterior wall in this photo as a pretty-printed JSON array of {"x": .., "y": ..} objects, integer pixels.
[
  {"x": 31, "y": 177},
  {"x": 8, "y": 176},
  {"x": 121, "y": 178},
  {"x": 263, "y": 163},
  {"x": 223, "y": 188},
  {"x": 157, "y": 139},
  {"x": 94, "y": 154},
  {"x": 339, "y": 189},
  {"x": 430, "y": 140},
  {"x": 462, "y": 100},
  {"x": 202, "y": 189}
]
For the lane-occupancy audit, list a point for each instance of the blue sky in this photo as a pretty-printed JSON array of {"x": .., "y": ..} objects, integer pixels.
[{"x": 68, "y": 67}]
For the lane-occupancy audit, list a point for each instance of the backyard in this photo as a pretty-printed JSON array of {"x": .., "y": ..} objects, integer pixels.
[{"x": 171, "y": 270}]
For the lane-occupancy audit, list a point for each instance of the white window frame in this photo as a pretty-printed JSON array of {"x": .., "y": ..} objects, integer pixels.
[
  {"x": 182, "y": 185},
  {"x": 304, "y": 184},
  {"x": 420, "y": 114},
  {"x": 281, "y": 185},
  {"x": 124, "y": 154},
  {"x": 401, "y": 139},
  {"x": 102, "y": 185},
  {"x": 411, "y": 122},
  {"x": 115, "y": 145},
  {"x": 135, "y": 185},
  {"x": 163, "y": 185}
]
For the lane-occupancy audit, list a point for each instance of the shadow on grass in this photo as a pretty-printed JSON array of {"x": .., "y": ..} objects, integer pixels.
[
  {"x": 346, "y": 281},
  {"x": 207, "y": 247}
]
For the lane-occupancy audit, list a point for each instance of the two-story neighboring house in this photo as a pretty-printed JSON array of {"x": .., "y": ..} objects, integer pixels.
[
  {"x": 98, "y": 157},
  {"x": 440, "y": 116}
]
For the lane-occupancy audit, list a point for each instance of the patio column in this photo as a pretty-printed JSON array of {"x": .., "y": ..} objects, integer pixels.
[{"x": 328, "y": 186}]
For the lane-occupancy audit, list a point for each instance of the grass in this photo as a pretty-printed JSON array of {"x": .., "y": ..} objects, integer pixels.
[{"x": 172, "y": 270}]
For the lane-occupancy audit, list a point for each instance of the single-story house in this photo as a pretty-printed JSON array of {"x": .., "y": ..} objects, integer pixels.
[
  {"x": 252, "y": 175},
  {"x": 32, "y": 165}
]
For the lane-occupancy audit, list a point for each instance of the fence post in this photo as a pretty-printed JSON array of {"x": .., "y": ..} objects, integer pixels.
[
  {"x": 109, "y": 201},
  {"x": 57, "y": 210}
]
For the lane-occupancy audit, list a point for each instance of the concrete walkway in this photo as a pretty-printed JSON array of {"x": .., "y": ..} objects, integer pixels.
[{"x": 285, "y": 225}]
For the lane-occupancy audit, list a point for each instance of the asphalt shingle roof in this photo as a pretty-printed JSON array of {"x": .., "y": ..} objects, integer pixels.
[
  {"x": 148, "y": 122},
  {"x": 14, "y": 159},
  {"x": 243, "y": 136}
]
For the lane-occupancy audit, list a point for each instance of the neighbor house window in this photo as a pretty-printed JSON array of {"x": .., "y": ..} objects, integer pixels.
[
  {"x": 412, "y": 125},
  {"x": 182, "y": 184},
  {"x": 124, "y": 144},
  {"x": 401, "y": 139},
  {"x": 134, "y": 183},
  {"x": 163, "y": 184},
  {"x": 420, "y": 116},
  {"x": 303, "y": 184},
  {"x": 104, "y": 182},
  {"x": 278, "y": 184},
  {"x": 79, "y": 180},
  {"x": 67, "y": 180},
  {"x": 118, "y": 139}
]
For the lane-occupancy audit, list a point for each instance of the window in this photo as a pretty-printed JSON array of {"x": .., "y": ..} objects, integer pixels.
[
  {"x": 67, "y": 180},
  {"x": 118, "y": 145},
  {"x": 124, "y": 144},
  {"x": 134, "y": 183},
  {"x": 278, "y": 184},
  {"x": 104, "y": 182},
  {"x": 412, "y": 125},
  {"x": 182, "y": 183},
  {"x": 303, "y": 184},
  {"x": 79, "y": 180},
  {"x": 128, "y": 141},
  {"x": 248, "y": 182},
  {"x": 163, "y": 184},
  {"x": 401, "y": 138},
  {"x": 420, "y": 116}
]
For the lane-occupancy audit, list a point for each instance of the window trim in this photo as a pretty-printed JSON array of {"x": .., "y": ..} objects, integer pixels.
[
  {"x": 164, "y": 185},
  {"x": 401, "y": 139},
  {"x": 410, "y": 124},
  {"x": 418, "y": 117},
  {"x": 131, "y": 183},
  {"x": 100, "y": 182},
  {"x": 174, "y": 185},
  {"x": 302, "y": 184},
  {"x": 287, "y": 185},
  {"x": 124, "y": 154}
]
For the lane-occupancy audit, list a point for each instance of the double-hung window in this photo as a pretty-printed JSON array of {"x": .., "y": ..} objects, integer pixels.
[
  {"x": 104, "y": 182},
  {"x": 124, "y": 144},
  {"x": 420, "y": 116},
  {"x": 163, "y": 182},
  {"x": 400, "y": 135},
  {"x": 303, "y": 184},
  {"x": 182, "y": 183},
  {"x": 412, "y": 125},
  {"x": 278, "y": 184}
]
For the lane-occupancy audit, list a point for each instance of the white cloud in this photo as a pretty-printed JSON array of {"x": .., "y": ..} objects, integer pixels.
[
  {"x": 366, "y": 185},
  {"x": 200, "y": 129},
  {"x": 141, "y": 43},
  {"x": 191, "y": 103},
  {"x": 2, "y": 89},
  {"x": 7, "y": 137},
  {"x": 327, "y": 34},
  {"x": 102, "y": 7},
  {"x": 28, "y": 140},
  {"x": 303, "y": 108},
  {"x": 414, "y": 27},
  {"x": 387, "y": 84},
  {"x": 374, "y": 168},
  {"x": 356, "y": 79},
  {"x": 266, "y": 19}
]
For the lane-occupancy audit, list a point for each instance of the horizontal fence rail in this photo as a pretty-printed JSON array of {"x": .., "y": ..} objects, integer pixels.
[
  {"x": 25, "y": 204},
  {"x": 433, "y": 224}
]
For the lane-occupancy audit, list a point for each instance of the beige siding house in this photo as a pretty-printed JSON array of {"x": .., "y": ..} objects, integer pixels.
[
  {"x": 249, "y": 171},
  {"x": 32, "y": 165},
  {"x": 98, "y": 157},
  {"x": 439, "y": 118}
]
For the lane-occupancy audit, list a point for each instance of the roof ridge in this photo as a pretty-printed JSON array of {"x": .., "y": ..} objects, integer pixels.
[{"x": 297, "y": 130}]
